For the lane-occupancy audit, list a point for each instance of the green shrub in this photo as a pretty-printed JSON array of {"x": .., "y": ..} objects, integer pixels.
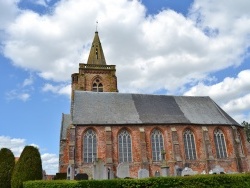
[
  {"x": 199, "y": 181},
  {"x": 28, "y": 167},
  {"x": 7, "y": 163},
  {"x": 51, "y": 184}
]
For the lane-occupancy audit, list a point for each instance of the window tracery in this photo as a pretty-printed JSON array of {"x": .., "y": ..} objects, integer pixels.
[
  {"x": 89, "y": 146},
  {"x": 189, "y": 145},
  {"x": 97, "y": 86},
  {"x": 125, "y": 151},
  {"x": 220, "y": 144},
  {"x": 157, "y": 145}
]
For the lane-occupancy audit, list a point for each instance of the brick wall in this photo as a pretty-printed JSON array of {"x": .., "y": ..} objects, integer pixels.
[
  {"x": 64, "y": 154},
  {"x": 85, "y": 78},
  {"x": 175, "y": 153}
]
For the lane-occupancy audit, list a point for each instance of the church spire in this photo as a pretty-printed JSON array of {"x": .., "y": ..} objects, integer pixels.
[{"x": 96, "y": 55}]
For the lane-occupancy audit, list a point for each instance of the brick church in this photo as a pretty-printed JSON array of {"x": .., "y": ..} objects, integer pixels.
[{"x": 109, "y": 134}]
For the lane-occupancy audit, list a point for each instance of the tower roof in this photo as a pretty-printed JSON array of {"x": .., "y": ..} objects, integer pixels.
[{"x": 96, "y": 55}]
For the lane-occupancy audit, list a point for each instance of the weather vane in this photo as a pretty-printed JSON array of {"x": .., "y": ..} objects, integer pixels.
[{"x": 96, "y": 26}]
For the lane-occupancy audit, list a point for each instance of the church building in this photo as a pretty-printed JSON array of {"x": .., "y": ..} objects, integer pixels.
[{"x": 110, "y": 134}]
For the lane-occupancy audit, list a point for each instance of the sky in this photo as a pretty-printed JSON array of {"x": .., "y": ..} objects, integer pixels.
[{"x": 170, "y": 47}]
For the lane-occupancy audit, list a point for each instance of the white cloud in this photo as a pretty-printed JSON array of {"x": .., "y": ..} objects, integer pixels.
[
  {"x": 8, "y": 12},
  {"x": 58, "y": 89},
  {"x": 16, "y": 94},
  {"x": 23, "y": 91},
  {"x": 16, "y": 145},
  {"x": 227, "y": 89},
  {"x": 232, "y": 94},
  {"x": 28, "y": 81},
  {"x": 24, "y": 96},
  {"x": 238, "y": 105},
  {"x": 240, "y": 117},
  {"x": 41, "y": 2},
  {"x": 229, "y": 16},
  {"x": 162, "y": 51},
  {"x": 50, "y": 163}
]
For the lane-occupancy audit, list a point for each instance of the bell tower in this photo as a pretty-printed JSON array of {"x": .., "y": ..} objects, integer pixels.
[{"x": 96, "y": 75}]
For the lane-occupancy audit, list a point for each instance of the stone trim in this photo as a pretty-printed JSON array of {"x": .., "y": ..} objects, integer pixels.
[
  {"x": 109, "y": 147},
  {"x": 176, "y": 145}
]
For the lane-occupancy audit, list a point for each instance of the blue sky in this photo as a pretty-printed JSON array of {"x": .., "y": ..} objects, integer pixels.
[{"x": 168, "y": 47}]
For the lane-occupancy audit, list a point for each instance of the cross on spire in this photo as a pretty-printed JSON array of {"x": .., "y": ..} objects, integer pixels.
[{"x": 96, "y": 26}]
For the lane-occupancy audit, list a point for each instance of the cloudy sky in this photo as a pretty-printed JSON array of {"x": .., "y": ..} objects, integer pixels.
[{"x": 172, "y": 47}]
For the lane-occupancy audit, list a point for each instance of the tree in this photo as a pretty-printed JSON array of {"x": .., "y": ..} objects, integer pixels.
[
  {"x": 247, "y": 129},
  {"x": 28, "y": 167},
  {"x": 7, "y": 163}
]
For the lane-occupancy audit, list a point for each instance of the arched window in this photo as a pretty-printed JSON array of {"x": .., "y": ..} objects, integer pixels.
[
  {"x": 220, "y": 144},
  {"x": 189, "y": 145},
  {"x": 69, "y": 172},
  {"x": 157, "y": 145},
  {"x": 89, "y": 146},
  {"x": 97, "y": 86},
  {"x": 125, "y": 151}
]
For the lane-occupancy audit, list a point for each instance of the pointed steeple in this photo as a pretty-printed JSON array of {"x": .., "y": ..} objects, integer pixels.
[{"x": 96, "y": 55}]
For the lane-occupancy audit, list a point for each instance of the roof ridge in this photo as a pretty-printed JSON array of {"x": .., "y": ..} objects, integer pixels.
[{"x": 146, "y": 94}]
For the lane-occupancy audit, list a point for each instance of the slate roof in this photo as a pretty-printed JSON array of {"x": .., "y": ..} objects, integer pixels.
[
  {"x": 66, "y": 121},
  {"x": 125, "y": 108}
]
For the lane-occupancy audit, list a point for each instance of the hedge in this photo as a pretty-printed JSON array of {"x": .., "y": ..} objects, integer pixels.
[
  {"x": 198, "y": 181},
  {"x": 51, "y": 184}
]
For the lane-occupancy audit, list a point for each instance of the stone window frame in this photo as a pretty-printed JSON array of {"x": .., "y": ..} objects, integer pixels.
[
  {"x": 125, "y": 137},
  {"x": 189, "y": 145},
  {"x": 157, "y": 144},
  {"x": 89, "y": 146},
  {"x": 97, "y": 85},
  {"x": 220, "y": 144}
]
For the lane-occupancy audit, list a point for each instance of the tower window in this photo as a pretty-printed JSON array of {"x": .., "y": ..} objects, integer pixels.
[
  {"x": 97, "y": 86},
  {"x": 157, "y": 145},
  {"x": 220, "y": 144},
  {"x": 189, "y": 145},
  {"x": 96, "y": 53}
]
